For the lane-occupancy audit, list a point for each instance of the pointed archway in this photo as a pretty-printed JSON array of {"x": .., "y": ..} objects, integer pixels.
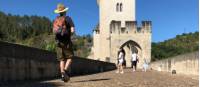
[{"x": 130, "y": 47}]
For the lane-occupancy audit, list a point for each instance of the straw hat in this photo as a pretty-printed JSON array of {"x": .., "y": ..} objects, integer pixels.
[{"x": 61, "y": 8}]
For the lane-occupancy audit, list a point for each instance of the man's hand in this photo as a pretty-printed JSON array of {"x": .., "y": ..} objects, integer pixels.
[
  {"x": 72, "y": 30},
  {"x": 72, "y": 33}
]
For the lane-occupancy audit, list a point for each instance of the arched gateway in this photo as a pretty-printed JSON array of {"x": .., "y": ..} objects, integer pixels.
[{"x": 119, "y": 29}]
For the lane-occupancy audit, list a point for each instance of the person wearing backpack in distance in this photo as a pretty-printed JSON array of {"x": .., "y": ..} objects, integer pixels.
[{"x": 63, "y": 28}]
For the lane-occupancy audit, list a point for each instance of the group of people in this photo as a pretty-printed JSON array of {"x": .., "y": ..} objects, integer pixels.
[{"x": 121, "y": 62}]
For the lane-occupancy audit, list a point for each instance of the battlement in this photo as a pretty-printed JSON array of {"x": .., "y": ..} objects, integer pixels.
[
  {"x": 131, "y": 27},
  {"x": 147, "y": 25},
  {"x": 96, "y": 29}
]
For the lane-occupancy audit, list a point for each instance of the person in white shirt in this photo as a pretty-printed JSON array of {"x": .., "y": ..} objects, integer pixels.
[
  {"x": 124, "y": 59},
  {"x": 120, "y": 62},
  {"x": 134, "y": 60}
]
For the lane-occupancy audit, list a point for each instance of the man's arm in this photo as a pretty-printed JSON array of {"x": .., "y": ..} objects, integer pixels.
[{"x": 71, "y": 24}]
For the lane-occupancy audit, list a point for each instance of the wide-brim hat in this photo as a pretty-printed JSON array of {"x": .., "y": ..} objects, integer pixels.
[{"x": 61, "y": 8}]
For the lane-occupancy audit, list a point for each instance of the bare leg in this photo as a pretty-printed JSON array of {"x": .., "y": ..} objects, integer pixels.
[
  {"x": 68, "y": 62},
  {"x": 62, "y": 65},
  {"x": 145, "y": 68},
  {"x": 133, "y": 68},
  {"x": 118, "y": 68},
  {"x": 121, "y": 67}
]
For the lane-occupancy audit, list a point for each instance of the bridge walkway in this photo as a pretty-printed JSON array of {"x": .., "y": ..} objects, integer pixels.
[{"x": 128, "y": 79}]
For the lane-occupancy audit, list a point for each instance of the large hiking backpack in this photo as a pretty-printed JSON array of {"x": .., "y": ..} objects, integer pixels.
[{"x": 59, "y": 25}]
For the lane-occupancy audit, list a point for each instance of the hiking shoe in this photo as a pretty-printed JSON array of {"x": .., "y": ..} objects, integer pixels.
[{"x": 64, "y": 77}]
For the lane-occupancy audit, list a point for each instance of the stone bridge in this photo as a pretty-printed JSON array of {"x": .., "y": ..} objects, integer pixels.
[{"x": 22, "y": 66}]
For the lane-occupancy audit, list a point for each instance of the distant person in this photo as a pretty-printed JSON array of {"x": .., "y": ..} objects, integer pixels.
[
  {"x": 120, "y": 61},
  {"x": 124, "y": 62},
  {"x": 63, "y": 28},
  {"x": 145, "y": 65},
  {"x": 134, "y": 60}
]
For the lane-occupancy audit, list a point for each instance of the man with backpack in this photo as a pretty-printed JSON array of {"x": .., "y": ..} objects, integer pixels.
[{"x": 63, "y": 28}]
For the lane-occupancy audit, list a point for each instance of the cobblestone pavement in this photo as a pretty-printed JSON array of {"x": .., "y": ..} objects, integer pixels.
[{"x": 128, "y": 79}]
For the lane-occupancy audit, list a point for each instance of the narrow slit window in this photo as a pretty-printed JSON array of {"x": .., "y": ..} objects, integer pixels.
[
  {"x": 121, "y": 7},
  {"x": 117, "y": 7}
]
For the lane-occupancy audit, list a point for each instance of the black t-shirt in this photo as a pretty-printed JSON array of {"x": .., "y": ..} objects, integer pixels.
[{"x": 67, "y": 35}]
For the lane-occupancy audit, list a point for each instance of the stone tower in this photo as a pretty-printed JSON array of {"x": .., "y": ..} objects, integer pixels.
[{"x": 117, "y": 28}]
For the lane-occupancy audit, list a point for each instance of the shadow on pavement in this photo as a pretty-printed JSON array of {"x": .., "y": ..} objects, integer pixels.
[
  {"x": 32, "y": 84},
  {"x": 91, "y": 80}
]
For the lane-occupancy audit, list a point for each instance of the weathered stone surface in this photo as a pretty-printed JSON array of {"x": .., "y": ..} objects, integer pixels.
[
  {"x": 128, "y": 79},
  {"x": 19, "y": 62},
  {"x": 183, "y": 64},
  {"x": 25, "y": 63}
]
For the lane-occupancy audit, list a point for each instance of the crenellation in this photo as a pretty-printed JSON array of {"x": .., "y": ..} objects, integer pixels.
[
  {"x": 130, "y": 28},
  {"x": 146, "y": 25}
]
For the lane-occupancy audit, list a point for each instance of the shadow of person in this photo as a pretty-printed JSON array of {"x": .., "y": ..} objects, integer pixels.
[{"x": 91, "y": 80}]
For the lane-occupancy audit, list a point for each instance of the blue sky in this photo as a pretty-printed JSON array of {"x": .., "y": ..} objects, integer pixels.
[{"x": 169, "y": 17}]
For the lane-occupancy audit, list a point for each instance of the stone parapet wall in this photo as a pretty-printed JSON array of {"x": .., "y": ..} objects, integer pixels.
[
  {"x": 183, "y": 64},
  {"x": 83, "y": 66},
  {"x": 24, "y": 63}
]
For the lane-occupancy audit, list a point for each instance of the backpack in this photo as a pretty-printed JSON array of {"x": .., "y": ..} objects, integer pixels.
[{"x": 59, "y": 25}]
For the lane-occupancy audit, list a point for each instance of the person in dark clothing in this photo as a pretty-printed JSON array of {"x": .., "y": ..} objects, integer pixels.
[
  {"x": 124, "y": 62},
  {"x": 134, "y": 60}
]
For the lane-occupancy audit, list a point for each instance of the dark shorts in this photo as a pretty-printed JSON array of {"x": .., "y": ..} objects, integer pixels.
[
  {"x": 134, "y": 63},
  {"x": 64, "y": 52}
]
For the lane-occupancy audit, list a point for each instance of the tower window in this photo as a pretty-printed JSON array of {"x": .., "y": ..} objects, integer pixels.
[
  {"x": 121, "y": 7},
  {"x": 117, "y": 7}
]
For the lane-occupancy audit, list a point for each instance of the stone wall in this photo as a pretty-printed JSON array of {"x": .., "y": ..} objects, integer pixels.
[
  {"x": 24, "y": 63},
  {"x": 83, "y": 66},
  {"x": 183, "y": 64}
]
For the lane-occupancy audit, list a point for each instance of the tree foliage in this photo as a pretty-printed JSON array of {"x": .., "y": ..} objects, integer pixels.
[
  {"x": 181, "y": 44},
  {"x": 14, "y": 28},
  {"x": 36, "y": 31}
]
